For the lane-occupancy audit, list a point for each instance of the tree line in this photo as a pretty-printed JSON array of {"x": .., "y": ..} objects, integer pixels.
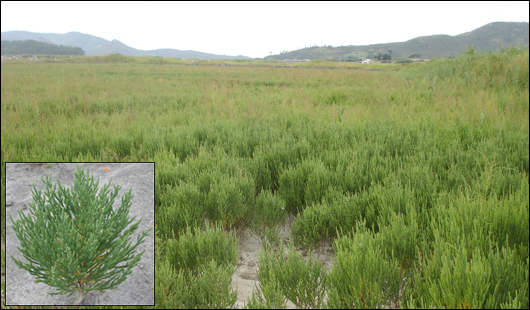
[{"x": 38, "y": 48}]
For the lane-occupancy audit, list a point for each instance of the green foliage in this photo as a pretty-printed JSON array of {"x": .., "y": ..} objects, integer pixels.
[
  {"x": 196, "y": 248},
  {"x": 171, "y": 289},
  {"x": 321, "y": 221},
  {"x": 481, "y": 223},
  {"x": 413, "y": 162},
  {"x": 182, "y": 207},
  {"x": 318, "y": 183},
  {"x": 454, "y": 277},
  {"x": 76, "y": 239},
  {"x": 229, "y": 201},
  {"x": 271, "y": 160},
  {"x": 292, "y": 186},
  {"x": 382, "y": 56},
  {"x": 313, "y": 226},
  {"x": 268, "y": 216},
  {"x": 115, "y": 57},
  {"x": 462, "y": 284},
  {"x": 401, "y": 237},
  {"x": 501, "y": 71},
  {"x": 209, "y": 289},
  {"x": 362, "y": 277},
  {"x": 268, "y": 295},
  {"x": 38, "y": 48},
  {"x": 301, "y": 282},
  {"x": 197, "y": 269}
]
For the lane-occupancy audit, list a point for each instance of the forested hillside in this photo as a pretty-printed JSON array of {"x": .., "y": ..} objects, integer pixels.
[{"x": 38, "y": 48}]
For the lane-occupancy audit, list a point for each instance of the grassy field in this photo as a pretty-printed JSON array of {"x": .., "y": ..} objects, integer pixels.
[{"x": 417, "y": 172}]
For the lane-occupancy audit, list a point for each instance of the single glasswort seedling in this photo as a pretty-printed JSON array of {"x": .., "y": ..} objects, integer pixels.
[{"x": 75, "y": 241}]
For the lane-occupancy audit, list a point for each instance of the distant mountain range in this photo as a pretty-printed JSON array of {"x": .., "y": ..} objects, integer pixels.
[
  {"x": 486, "y": 38},
  {"x": 93, "y": 45}
]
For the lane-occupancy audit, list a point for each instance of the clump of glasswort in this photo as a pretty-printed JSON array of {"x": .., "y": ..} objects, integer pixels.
[{"x": 76, "y": 241}]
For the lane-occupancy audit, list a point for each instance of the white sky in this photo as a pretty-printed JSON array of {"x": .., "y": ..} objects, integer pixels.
[{"x": 256, "y": 29}]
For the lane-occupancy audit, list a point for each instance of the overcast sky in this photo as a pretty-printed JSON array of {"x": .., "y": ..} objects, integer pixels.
[{"x": 256, "y": 29}]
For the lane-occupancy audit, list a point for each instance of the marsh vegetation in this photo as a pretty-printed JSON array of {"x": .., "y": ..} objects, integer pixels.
[{"x": 417, "y": 174}]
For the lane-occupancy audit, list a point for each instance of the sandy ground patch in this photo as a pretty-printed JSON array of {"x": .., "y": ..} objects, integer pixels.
[{"x": 245, "y": 278}]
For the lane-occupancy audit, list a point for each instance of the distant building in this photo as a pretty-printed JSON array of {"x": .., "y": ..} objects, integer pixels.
[{"x": 367, "y": 61}]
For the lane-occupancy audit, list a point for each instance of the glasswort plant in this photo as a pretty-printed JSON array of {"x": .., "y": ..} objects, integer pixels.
[{"x": 76, "y": 240}]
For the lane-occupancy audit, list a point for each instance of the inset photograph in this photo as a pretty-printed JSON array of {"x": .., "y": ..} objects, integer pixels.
[{"x": 80, "y": 234}]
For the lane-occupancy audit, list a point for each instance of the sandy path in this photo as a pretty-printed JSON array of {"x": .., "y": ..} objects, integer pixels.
[
  {"x": 138, "y": 288},
  {"x": 245, "y": 278}
]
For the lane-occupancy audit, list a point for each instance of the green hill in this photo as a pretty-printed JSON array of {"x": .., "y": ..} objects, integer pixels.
[
  {"x": 39, "y": 48},
  {"x": 486, "y": 38},
  {"x": 94, "y": 46}
]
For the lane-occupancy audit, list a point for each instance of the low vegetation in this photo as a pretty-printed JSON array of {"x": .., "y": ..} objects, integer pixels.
[{"x": 418, "y": 172}]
